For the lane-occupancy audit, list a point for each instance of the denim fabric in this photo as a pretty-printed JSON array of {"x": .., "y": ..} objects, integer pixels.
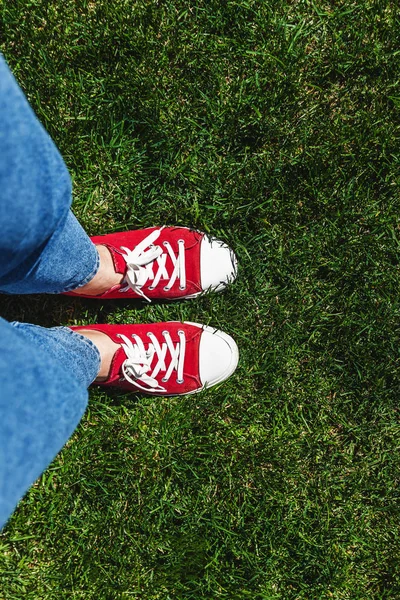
[
  {"x": 42, "y": 246},
  {"x": 44, "y": 378},
  {"x": 44, "y": 373}
]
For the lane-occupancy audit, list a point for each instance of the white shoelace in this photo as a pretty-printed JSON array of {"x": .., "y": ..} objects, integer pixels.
[
  {"x": 142, "y": 259},
  {"x": 138, "y": 360}
]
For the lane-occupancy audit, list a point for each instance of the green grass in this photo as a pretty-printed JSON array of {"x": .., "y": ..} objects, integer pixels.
[{"x": 274, "y": 125}]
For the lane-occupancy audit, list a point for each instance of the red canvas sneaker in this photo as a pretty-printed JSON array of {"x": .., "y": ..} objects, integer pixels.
[
  {"x": 166, "y": 263},
  {"x": 170, "y": 358}
]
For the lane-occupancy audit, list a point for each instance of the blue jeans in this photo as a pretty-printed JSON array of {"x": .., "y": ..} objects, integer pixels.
[{"x": 44, "y": 373}]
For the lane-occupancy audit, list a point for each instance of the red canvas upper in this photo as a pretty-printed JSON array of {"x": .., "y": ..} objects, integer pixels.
[
  {"x": 115, "y": 242},
  {"x": 192, "y": 334}
]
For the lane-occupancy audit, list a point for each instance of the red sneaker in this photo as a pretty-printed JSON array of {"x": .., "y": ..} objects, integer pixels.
[
  {"x": 168, "y": 359},
  {"x": 167, "y": 263}
]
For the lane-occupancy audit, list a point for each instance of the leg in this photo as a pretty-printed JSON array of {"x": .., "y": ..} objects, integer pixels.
[
  {"x": 44, "y": 376},
  {"x": 42, "y": 247}
]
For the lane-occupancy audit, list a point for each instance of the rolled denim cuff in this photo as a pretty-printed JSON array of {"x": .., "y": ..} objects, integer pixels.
[
  {"x": 78, "y": 356},
  {"x": 68, "y": 260}
]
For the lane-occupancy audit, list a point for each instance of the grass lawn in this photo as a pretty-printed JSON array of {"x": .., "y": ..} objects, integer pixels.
[{"x": 274, "y": 125}]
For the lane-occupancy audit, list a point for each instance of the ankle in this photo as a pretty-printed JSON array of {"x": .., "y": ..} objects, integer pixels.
[
  {"x": 107, "y": 349},
  {"x": 106, "y": 276}
]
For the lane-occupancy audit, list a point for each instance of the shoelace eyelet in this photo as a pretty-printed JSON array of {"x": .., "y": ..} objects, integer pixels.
[
  {"x": 146, "y": 253},
  {"x": 138, "y": 356}
]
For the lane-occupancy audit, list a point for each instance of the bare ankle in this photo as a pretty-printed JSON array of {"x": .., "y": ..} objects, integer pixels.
[
  {"x": 107, "y": 349},
  {"x": 105, "y": 278}
]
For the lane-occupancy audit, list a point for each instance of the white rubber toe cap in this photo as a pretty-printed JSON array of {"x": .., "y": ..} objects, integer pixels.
[
  {"x": 218, "y": 356},
  {"x": 218, "y": 264}
]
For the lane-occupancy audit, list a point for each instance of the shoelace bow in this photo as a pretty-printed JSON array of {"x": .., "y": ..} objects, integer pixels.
[
  {"x": 138, "y": 360},
  {"x": 141, "y": 260}
]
